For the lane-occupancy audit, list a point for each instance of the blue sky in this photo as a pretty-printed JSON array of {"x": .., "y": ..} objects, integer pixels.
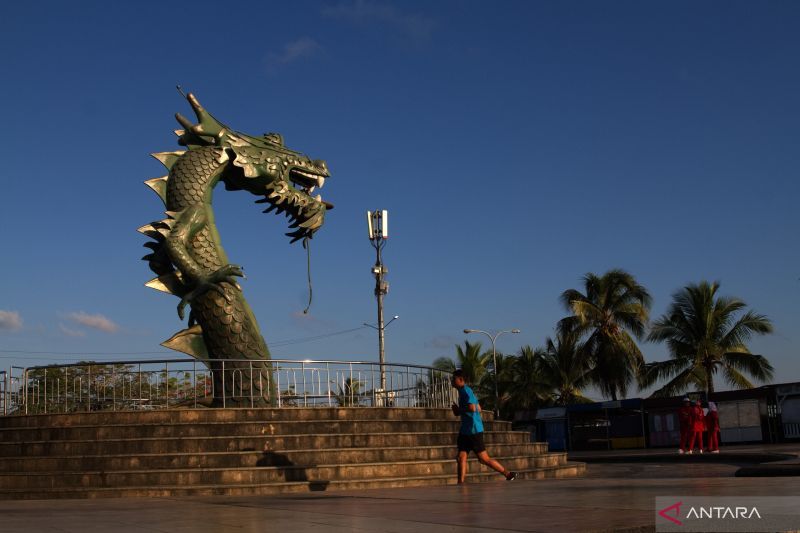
[{"x": 517, "y": 146}]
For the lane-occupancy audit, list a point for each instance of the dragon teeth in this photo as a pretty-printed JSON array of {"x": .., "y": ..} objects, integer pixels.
[
  {"x": 318, "y": 198},
  {"x": 320, "y": 181}
]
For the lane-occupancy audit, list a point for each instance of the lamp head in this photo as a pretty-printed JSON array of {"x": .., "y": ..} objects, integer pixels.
[
  {"x": 514, "y": 331},
  {"x": 469, "y": 330}
]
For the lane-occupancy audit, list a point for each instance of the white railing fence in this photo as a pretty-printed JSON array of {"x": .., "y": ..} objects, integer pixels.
[
  {"x": 172, "y": 383},
  {"x": 10, "y": 386}
]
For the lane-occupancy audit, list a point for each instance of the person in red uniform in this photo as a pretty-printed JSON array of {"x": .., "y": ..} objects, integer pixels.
[
  {"x": 712, "y": 426},
  {"x": 685, "y": 424},
  {"x": 698, "y": 426}
]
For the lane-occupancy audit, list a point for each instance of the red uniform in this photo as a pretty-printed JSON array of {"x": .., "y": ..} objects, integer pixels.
[
  {"x": 685, "y": 422},
  {"x": 712, "y": 426},
  {"x": 698, "y": 427}
]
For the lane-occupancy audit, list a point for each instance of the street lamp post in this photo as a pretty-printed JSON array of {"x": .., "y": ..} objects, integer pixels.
[
  {"x": 493, "y": 338},
  {"x": 378, "y": 225}
]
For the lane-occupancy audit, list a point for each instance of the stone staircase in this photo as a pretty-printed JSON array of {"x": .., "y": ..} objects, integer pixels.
[{"x": 186, "y": 452}]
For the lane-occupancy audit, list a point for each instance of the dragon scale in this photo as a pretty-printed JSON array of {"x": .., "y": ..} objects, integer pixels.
[{"x": 187, "y": 253}]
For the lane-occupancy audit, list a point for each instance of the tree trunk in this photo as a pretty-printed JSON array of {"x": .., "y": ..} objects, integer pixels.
[{"x": 709, "y": 381}]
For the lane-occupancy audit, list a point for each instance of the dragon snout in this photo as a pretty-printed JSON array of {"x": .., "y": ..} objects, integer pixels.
[{"x": 322, "y": 165}]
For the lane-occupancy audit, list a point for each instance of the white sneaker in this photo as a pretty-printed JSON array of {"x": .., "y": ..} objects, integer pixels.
[
  {"x": 715, "y": 451},
  {"x": 701, "y": 451},
  {"x": 689, "y": 452},
  {"x": 681, "y": 452}
]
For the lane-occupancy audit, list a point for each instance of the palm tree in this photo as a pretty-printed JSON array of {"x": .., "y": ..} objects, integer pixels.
[
  {"x": 475, "y": 363},
  {"x": 350, "y": 394},
  {"x": 505, "y": 376},
  {"x": 528, "y": 389},
  {"x": 704, "y": 337},
  {"x": 564, "y": 368},
  {"x": 610, "y": 313},
  {"x": 470, "y": 359}
]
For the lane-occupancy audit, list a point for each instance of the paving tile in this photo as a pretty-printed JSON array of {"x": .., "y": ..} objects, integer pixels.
[{"x": 616, "y": 502}]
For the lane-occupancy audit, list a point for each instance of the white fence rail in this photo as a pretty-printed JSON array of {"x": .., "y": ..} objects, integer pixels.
[
  {"x": 10, "y": 386},
  {"x": 169, "y": 383}
]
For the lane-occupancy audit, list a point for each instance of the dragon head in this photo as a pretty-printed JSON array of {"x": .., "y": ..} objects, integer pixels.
[{"x": 286, "y": 178}]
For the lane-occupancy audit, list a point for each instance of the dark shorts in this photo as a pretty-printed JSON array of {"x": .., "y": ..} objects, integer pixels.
[{"x": 471, "y": 443}]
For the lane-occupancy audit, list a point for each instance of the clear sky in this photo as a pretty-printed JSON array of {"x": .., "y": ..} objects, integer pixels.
[{"x": 517, "y": 146}]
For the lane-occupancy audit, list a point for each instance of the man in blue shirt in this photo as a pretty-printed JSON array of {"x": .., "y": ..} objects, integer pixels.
[{"x": 470, "y": 436}]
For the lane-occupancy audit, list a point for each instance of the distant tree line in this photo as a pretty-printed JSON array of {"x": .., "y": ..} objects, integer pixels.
[
  {"x": 596, "y": 345},
  {"x": 97, "y": 387}
]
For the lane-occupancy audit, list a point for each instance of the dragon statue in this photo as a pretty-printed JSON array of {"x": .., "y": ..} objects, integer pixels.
[{"x": 187, "y": 254}]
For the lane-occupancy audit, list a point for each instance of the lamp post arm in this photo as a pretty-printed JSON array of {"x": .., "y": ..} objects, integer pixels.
[{"x": 493, "y": 338}]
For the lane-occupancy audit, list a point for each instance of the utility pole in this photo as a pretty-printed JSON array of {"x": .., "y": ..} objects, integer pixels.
[{"x": 378, "y": 225}]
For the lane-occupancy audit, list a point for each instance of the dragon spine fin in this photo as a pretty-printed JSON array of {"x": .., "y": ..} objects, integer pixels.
[
  {"x": 169, "y": 283},
  {"x": 189, "y": 341},
  {"x": 159, "y": 185},
  {"x": 168, "y": 158}
]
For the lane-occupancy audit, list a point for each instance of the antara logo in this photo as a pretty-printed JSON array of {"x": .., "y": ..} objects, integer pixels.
[
  {"x": 673, "y": 512},
  {"x": 723, "y": 512}
]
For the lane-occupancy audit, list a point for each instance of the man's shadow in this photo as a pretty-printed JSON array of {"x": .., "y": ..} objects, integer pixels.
[{"x": 292, "y": 472}]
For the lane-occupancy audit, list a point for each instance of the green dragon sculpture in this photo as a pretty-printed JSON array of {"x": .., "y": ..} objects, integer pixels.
[{"x": 187, "y": 254}]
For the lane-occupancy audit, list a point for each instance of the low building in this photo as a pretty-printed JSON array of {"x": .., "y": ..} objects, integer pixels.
[
  {"x": 611, "y": 425},
  {"x": 787, "y": 400}
]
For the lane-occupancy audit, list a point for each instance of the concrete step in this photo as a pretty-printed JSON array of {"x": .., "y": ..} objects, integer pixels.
[
  {"x": 198, "y": 429},
  {"x": 249, "y": 451},
  {"x": 173, "y": 416},
  {"x": 256, "y": 476},
  {"x": 242, "y": 459},
  {"x": 231, "y": 443},
  {"x": 483, "y": 475}
]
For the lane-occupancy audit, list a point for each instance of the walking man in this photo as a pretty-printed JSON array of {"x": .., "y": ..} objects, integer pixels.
[{"x": 470, "y": 436}]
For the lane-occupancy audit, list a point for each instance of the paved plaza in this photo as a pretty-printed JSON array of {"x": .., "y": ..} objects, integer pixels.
[{"x": 612, "y": 497}]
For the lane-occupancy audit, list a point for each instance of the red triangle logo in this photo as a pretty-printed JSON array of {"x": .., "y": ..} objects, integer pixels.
[{"x": 676, "y": 507}]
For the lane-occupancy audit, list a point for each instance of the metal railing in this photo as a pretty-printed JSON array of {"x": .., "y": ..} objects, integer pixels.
[
  {"x": 10, "y": 385},
  {"x": 171, "y": 383}
]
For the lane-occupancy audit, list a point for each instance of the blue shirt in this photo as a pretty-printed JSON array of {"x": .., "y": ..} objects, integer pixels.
[{"x": 470, "y": 420}]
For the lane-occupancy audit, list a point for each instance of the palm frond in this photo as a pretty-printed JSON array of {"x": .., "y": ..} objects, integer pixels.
[
  {"x": 444, "y": 363},
  {"x": 661, "y": 370},
  {"x": 753, "y": 364},
  {"x": 745, "y": 327},
  {"x": 681, "y": 383},
  {"x": 569, "y": 296},
  {"x": 735, "y": 379}
]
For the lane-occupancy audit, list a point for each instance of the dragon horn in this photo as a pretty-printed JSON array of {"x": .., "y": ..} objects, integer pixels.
[
  {"x": 206, "y": 125},
  {"x": 201, "y": 113},
  {"x": 185, "y": 122}
]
